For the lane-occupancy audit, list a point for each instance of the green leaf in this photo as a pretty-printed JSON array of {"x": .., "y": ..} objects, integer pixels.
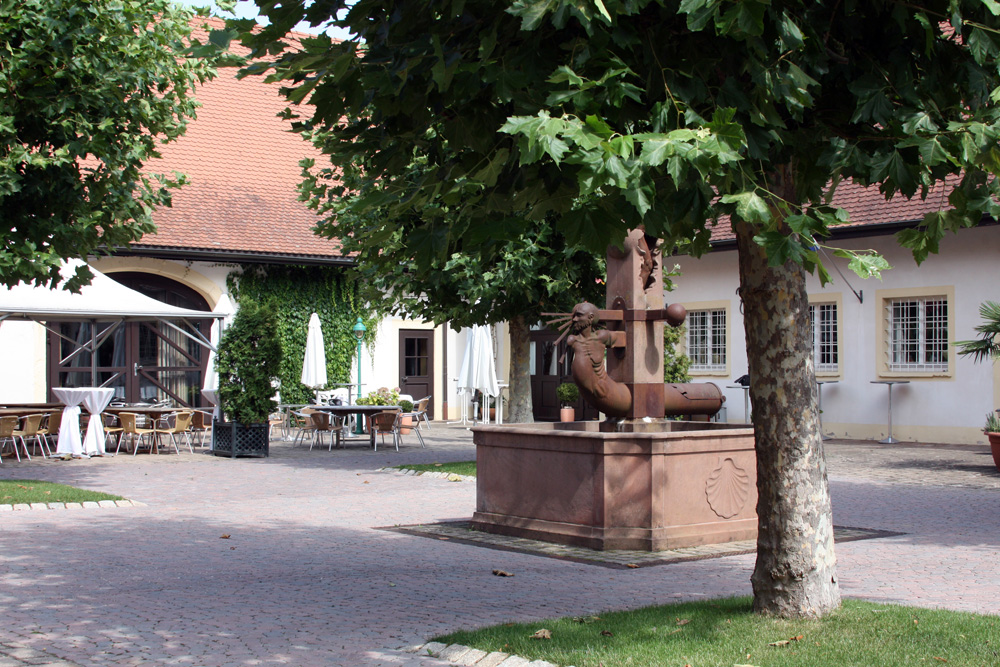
[{"x": 750, "y": 207}]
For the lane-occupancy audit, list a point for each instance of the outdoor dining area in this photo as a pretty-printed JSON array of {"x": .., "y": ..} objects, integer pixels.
[{"x": 87, "y": 423}]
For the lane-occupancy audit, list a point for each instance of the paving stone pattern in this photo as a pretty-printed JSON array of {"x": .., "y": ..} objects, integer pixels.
[{"x": 282, "y": 561}]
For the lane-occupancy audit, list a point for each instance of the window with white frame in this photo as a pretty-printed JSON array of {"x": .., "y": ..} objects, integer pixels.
[
  {"x": 917, "y": 334},
  {"x": 825, "y": 337},
  {"x": 706, "y": 340}
]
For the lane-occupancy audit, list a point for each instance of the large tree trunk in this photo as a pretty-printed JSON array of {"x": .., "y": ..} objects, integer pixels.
[
  {"x": 795, "y": 575},
  {"x": 520, "y": 372}
]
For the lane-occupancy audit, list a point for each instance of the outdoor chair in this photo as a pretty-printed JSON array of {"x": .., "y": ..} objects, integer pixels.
[
  {"x": 324, "y": 422},
  {"x": 112, "y": 428},
  {"x": 135, "y": 434},
  {"x": 201, "y": 424},
  {"x": 32, "y": 424},
  {"x": 174, "y": 424},
  {"x": 305, "y": 424},
  {"x": 420, "y": 412},
  {"x": 389, "y": 422},
  {"x": 7, "y": 427},
  {"x": 50, "y": 431}
]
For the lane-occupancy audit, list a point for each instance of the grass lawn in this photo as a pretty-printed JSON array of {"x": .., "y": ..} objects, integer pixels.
[
  {"x": 16, "y": 491},
  {"x": 725, "y": 633},
  {"x": 467, "y": 468}
]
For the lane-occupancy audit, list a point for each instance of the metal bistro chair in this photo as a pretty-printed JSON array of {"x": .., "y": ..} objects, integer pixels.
[
  {"x": 201, "y": 425},
  {"x": 389, "y": 422},
  {"x": 32, "y": 426},
  {"x": 304, "y": 422},
  {"x": 420, "y": 412},
  {"x": 324, "y": 422},
  {"x": 174, "y": 424},
  {"x": 7, "y": 427},
  {"x": 134, "y": 433}
]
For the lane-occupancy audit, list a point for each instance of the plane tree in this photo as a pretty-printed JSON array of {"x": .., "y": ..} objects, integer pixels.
[
  {"x": 677, "y": 116},
  {"x": 88, "y": 91}
]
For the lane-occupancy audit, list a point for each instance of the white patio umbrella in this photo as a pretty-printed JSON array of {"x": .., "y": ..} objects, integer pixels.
[
  {"x": 210, "y": 387},
  {"x": 478, "y": 368},
  {"x": 314, "y": 364}
]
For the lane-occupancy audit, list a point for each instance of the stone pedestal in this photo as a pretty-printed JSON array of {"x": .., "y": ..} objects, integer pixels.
[{"x": 656, "y": 485}]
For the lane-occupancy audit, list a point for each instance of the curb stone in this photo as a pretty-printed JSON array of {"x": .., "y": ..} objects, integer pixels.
[
  {"x": 460, "y": 654},
  {"x": 90, "y": 504},
  {"x": 450, "y": 476}
]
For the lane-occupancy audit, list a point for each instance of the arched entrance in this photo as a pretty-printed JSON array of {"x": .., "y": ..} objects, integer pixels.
[{"x": 142, "y": 361}]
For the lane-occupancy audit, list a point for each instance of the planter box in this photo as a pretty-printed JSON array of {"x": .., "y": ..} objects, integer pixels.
[{"x": 234, "y": 439}]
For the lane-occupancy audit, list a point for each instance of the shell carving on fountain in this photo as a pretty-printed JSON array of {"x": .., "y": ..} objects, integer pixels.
[{"x": 727, "y": 489}]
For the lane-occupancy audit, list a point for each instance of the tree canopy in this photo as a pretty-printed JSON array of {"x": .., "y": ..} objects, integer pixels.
[
  {"x": 673, "y": 115},
  {"x": 88, "y": 90}
]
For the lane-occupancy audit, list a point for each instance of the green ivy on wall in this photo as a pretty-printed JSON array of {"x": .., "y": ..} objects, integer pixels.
[{"x": 295, "y": 293}]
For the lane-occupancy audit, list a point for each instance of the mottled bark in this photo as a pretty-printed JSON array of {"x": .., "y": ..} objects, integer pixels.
[
  {"x": 520, "y": 372},
  {"x": 795, "y": 575}
]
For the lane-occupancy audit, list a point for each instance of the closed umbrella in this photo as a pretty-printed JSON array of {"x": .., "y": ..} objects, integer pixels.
[
  {"x": 210, "y": 387},
  {"x": 478, "y": 369},
  {"x": 314, "y": 364}
]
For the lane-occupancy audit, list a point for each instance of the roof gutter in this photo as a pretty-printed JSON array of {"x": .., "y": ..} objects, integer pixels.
[{"x": 233, "y": 256}]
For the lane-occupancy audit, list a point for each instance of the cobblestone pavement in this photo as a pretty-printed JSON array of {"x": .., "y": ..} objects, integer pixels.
[{"x": 280, "y": 561}]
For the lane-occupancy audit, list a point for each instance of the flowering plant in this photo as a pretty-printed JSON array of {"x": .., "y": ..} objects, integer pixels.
[{"x": 383, "y": 396}]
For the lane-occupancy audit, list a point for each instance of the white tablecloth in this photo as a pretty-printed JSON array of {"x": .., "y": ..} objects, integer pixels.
[{"x": 95, "y": 399}]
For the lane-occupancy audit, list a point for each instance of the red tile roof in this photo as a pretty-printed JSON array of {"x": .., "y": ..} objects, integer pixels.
[
  {"x": 868, "y": 208},
  {"x": 242, "y": 164}
]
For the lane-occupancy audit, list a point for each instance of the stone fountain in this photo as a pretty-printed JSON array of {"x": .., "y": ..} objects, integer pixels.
[{"x": 636, "y": 480}]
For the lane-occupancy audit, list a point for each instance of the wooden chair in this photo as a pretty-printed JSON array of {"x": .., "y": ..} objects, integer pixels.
[
  {"x": 174, "y": 424},
  {"x": 32, "y": 425}
]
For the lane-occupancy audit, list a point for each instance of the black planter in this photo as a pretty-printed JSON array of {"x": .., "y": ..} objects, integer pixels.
[{"x": 234, "y": 439}]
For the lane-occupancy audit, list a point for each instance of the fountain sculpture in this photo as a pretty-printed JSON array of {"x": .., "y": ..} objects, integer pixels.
[{"x": 635, "y": 480}]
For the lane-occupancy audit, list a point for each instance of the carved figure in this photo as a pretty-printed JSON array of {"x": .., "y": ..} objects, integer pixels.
[{"x": 589, "y": 372}]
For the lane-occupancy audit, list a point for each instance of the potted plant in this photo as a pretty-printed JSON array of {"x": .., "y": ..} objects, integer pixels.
[
  {"x": 406, "y": 419},
  {"x": 248, "y": 360},
  {"x": 568, "y": 394},
  {"x": 992, "y": 431},
  {"x": 381, "y": 396},
  {"x": 986, "y": 347}
]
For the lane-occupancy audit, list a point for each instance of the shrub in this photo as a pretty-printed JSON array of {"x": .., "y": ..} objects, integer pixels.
[{"x": 249, "y": 359}]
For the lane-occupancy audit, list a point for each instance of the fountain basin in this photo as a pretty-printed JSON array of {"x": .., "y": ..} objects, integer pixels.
[{"x": 650, "y": 486}]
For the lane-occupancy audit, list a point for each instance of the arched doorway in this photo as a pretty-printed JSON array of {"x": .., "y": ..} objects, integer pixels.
[{"x": 142, "y": 361}]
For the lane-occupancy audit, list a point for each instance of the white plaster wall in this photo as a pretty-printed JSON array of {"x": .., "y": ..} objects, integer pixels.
[
  {"x": 943, "y": 410},
  {"x": 22, "y": 358}
]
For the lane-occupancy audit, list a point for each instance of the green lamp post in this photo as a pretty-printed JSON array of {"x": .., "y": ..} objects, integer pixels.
[{"x": 359, "y": 330}]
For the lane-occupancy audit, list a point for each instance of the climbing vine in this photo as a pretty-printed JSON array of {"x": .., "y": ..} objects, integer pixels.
[{"x": 295, "y": 292}]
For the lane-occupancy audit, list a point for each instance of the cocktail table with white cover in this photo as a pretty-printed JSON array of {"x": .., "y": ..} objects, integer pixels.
[{"x": 95, "y": 399}]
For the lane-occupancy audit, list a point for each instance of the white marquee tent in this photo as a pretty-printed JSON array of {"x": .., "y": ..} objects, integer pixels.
[{"x": 103, "y": 300}]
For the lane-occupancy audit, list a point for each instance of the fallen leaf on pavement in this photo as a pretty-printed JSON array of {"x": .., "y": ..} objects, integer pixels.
[
  {"x": 501, "y": 573},
  {"x": 542, "y": 634},
  {"x": 224, "y": 536},
  {"x": 631, "y": 565}
]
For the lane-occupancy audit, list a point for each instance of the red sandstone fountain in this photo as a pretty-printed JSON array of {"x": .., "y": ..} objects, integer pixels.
[{"x": 636, "y": 480}]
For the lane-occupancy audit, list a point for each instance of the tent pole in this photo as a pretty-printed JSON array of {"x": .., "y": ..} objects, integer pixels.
[{"x": 93, "y": 353}]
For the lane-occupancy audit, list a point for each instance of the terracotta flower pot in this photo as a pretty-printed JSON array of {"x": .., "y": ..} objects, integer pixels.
[
  {"x": 567, "y": 414},
  {"x": 995, "y": 447}
]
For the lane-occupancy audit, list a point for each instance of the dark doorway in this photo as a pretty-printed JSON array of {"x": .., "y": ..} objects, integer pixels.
[
  {"x": 142, "y": 361},
  {"x": 547, "y": 373},
  {"x": 416, "y": 364}
]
